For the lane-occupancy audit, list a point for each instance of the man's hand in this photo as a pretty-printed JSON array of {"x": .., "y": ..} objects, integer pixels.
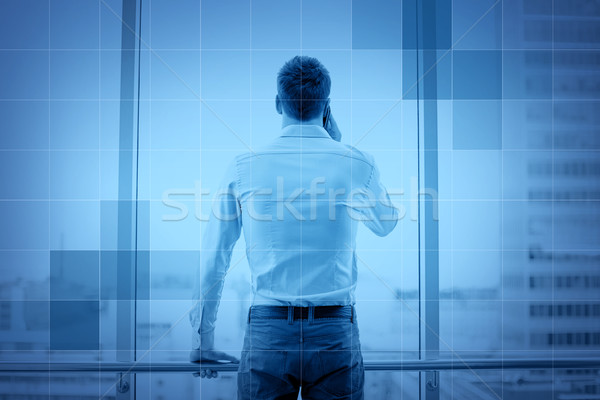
[
  {"x": 333, "y": 129},
  {"x": 210, "y": 356}
]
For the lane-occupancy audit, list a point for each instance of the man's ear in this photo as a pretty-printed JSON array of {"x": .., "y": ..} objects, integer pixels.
[{"x": 278, "y": 106}]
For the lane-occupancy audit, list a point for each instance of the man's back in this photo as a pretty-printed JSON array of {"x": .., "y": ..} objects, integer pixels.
[{"x": 301, "y": 198}]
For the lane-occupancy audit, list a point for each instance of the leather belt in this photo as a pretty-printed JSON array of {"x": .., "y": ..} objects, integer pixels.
[{"x": 283, "y": 312}]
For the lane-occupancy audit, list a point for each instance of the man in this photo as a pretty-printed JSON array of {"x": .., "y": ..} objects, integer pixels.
[{"x": 299, "y": 199}]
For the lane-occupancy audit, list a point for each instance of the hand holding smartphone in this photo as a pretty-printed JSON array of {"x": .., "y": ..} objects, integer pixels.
[
  {"x": 326, "y": 115},
  {"x": 330, "y": 125}
]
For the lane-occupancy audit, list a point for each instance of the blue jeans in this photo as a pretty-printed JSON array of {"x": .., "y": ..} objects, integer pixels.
[{"x": 320, "y": 356}]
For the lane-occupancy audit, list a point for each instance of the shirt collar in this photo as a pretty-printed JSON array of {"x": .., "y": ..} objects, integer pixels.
[{"x": 304, "y": 131}]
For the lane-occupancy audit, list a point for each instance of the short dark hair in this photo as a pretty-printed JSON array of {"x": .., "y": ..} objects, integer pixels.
[{"x": 303, "y": 85}]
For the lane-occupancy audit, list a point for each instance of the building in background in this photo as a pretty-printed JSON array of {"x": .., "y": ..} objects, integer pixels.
[{"x": 552, "y": 280}]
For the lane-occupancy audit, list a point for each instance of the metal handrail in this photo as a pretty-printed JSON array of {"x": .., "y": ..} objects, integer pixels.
[{"x": 415, "y": 365}]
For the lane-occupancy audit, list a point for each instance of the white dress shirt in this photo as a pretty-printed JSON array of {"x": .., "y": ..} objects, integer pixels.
[{"x": 299, "y": 199}]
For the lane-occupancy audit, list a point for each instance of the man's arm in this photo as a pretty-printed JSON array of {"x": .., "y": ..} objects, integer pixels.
[
  {"x": 222, "y": 231},
  {"x": 379, "y": 214}
]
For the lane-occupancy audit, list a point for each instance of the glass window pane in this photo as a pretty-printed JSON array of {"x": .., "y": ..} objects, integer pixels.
[
  {"x": 188, "y": 140},
  {"x": 518, "y": 192},
  {"x": 55, "y": 127}
]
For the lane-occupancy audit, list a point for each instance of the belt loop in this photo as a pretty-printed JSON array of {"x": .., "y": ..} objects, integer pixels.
[
  {"x": 311, "y": 314},
  {"x": 249, "y": 310},
  {"x": 290, "y": 315},
  {"x": 352, "y": 314}
]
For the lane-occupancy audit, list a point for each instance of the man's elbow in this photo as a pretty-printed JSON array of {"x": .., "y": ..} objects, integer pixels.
[
  {"x": 385, "y": 227},
  {"x": 389, "y": 227}
]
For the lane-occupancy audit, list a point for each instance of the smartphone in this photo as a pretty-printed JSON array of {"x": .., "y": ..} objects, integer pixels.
[{"x": 326, "y": 116}]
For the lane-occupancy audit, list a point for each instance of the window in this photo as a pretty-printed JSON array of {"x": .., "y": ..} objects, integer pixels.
[{"x": 208, "y": 93}]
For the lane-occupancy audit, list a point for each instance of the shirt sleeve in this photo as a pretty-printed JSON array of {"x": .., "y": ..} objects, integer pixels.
[
  {"x": 221, "y": 233},
  {"x": 378, "y": 212}
]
